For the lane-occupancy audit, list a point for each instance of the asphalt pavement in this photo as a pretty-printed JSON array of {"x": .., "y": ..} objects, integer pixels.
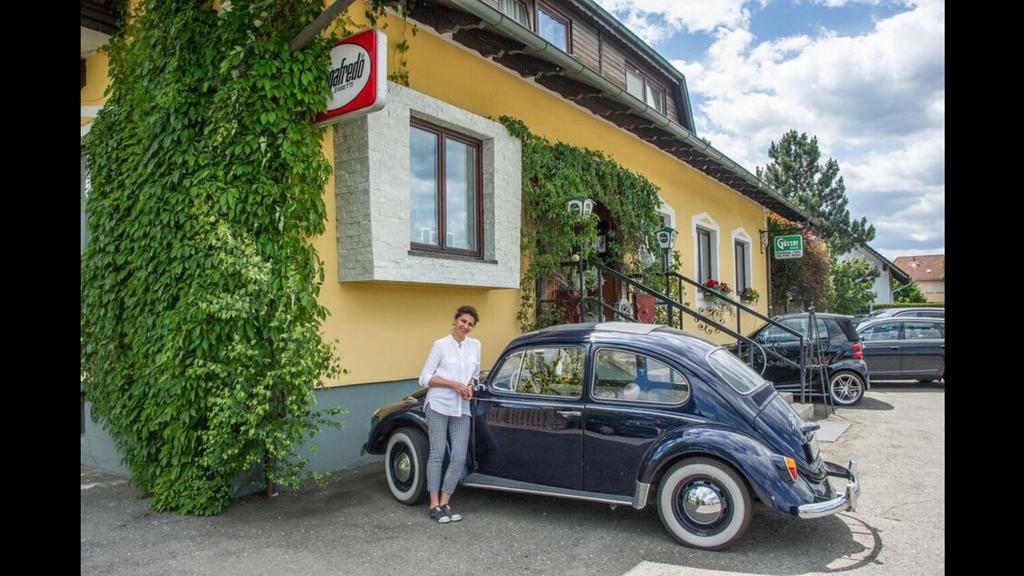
[{"x": 353, "y": 526}]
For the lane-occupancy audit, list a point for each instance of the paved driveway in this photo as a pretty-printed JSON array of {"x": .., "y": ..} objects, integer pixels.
[{"x": 352, "y": 526}]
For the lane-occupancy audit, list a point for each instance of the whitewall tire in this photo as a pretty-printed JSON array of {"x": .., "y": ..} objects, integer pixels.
[
  {"x": 405, "y": 465},
  {"x": 704, "y": 503}
]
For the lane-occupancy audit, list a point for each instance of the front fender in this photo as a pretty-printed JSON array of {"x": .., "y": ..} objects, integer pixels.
[
  {"x": 751, "y": 458},
  {"x": 390, "y": 419}
]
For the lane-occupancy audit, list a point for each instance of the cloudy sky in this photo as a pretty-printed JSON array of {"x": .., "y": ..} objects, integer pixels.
[{"x": 865, "y": 76}]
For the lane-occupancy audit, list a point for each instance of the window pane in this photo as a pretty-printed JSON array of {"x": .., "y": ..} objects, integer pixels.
[
  {"x": 704, "y": 256},
  {"x": 887, "y": 331},
  {"x": 734, "y": 371},
  {"x": 628, "y": 376},
  {"x": 517, "y": 10},
  {"x": 776, "y": 335},
  {"x": 423, "y": 186},
  {"x": 921, "y": 331},
  {"x": 552, "y": 372},
  {"x": 506, "y": 377},
  {"x": 634, "y": 84},
  {"x": 460, "y": 195},
  {"x": 655, "y": 98},
  {"x": 741, "y": 267},
  {"x": 552, "y": 30}
]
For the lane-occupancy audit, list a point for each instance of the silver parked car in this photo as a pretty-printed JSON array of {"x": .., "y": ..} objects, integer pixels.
[{"x": 904, "y": 348}]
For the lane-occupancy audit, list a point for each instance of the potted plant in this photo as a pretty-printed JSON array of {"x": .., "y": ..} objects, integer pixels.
[
  {"x": 750, "y": 295},
  {"x": 715, "y": 286}
]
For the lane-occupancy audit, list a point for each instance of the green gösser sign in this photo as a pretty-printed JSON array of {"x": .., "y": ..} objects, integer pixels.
[{"x": 788, "y": 247}]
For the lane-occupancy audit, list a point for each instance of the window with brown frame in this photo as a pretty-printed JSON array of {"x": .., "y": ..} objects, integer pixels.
[
  {"x": 554, "y": 27},
  {"x": 518, "y": 10},
  {"x": 640, "y": 85},
  {"x": 445, "y": 191}
]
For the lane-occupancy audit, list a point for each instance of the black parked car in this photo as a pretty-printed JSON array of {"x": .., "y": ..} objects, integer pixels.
[
  {"x": 905, "y": 348},
  {"x": 628, "y": 414},
  {"x": 841, "y": 350}
]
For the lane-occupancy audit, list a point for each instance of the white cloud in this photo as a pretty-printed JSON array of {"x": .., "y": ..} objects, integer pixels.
[
  {"x": 655, "y": 20},
  {"x": 875, "y": 101}
]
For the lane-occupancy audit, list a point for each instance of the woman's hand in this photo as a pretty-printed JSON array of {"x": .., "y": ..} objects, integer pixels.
[{"x": 467, "y": 391}]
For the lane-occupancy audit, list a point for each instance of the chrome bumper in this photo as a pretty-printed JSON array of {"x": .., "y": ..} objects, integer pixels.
[{"x": 845, "y": 501}]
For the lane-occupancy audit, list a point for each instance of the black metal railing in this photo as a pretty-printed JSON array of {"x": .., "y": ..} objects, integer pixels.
[{"x": 676, "y": 311}]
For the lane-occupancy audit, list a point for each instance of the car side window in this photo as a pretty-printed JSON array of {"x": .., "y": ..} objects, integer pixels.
[
  {"x": 551, "y": 371},
  {"x": 921, "y": 331},
  {"x": 508, "y": 375},
  {"x": 882, "y": 331},
  {"x": 775, "y": 335},
  {"x": 624, "y": 375}
]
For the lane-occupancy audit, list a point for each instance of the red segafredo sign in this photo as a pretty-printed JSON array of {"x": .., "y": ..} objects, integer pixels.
[{"x": 358, "y": 76}]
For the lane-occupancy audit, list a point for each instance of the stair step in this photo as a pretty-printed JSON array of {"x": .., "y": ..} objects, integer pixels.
[{"x": 804, "y": 411}]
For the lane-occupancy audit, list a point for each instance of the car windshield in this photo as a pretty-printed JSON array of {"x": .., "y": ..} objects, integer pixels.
[{"x": 734, "y": 371}]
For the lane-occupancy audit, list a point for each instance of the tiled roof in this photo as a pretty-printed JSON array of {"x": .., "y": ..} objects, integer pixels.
[{"x": 923, "y": 268}]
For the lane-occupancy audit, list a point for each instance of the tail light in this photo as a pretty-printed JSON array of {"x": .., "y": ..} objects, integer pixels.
[
  {"x": 791, "y": 466},
  {"x": 858, "y": 351}
]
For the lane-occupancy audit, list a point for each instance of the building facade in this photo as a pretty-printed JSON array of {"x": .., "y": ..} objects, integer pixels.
[
  {"x": 887, "y": 271},
  {"x": 396, "y": 270}
]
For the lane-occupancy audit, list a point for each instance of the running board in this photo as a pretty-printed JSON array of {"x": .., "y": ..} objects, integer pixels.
[{"x": 487, "y": 482}]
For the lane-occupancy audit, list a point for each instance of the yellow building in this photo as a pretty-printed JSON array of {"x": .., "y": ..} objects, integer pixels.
[{"x": 397, "y": 264}]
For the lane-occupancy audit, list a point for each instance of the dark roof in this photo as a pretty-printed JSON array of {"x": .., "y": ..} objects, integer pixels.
[
  {"x": 895, "y": 270},
  {"x": 482, "y": 27}
]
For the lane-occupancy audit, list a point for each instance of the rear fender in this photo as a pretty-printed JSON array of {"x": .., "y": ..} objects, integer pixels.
[{"x": 748, "y": 456}]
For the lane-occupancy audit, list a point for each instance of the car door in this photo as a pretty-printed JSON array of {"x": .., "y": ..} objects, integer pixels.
[
  {"x": 787, "y": 346},
  {"x": 527, "y": 423},
  {"x": 923, "y": 349},
  {"x": 882, "y": 348},
  {"x": 626, "y": 413}
]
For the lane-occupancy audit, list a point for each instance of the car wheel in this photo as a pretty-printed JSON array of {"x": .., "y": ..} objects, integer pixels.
[
  {"x": 405, "y": 465},
  {"x": 704, "y": 503},
  {"x": 846, "y": 388}
]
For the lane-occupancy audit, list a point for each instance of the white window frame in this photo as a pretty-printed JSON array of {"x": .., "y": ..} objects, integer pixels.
[
  {"x": 706, "y": 222},
  {"x": 740, "y": 235}
]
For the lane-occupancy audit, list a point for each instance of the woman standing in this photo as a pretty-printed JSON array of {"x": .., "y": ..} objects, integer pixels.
[{"x": 451, "y": 368}]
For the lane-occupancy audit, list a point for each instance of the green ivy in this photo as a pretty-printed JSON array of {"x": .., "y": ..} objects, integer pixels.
[
  {"x": 200, "y": 325},
  {"x": 553, "y": 174}
]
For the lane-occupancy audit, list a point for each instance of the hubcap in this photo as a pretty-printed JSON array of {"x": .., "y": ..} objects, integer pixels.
[
  {"x": 846, "y": 388},
  {"x": 702, "y": 504},
  {"x": 403, "y": 467}
]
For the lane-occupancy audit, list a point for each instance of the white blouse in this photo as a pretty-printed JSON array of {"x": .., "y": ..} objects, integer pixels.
[{"x": 449, "y": 360}]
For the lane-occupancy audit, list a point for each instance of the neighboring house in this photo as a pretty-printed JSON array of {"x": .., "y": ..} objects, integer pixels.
[
  {"x": 395, "y": 272},
  {"x": 929, "y": 272},
  {"x": 886, "y": 271}
]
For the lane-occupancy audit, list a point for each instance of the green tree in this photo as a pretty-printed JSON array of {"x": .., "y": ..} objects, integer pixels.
[
  {"x": 799, "y": 282},
  {"x": 797, "y": 172},
  {"x": 907, "y": 293},
  {"x": 200, "y": 323},
  {"x": 851, "y": 285}
]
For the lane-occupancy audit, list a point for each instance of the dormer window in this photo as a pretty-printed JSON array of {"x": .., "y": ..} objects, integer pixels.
[
  {"x": 640, "y": 85},
  {"x": 518, "y": 10},
  {"x": 553, "y": 27}
]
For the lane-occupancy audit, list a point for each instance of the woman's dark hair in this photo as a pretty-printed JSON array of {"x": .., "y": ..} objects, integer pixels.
[{"x": 468, "y": 310}]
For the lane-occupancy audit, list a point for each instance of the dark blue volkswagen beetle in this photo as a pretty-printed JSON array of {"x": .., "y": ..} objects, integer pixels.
[{"x": 624, "y": 414}]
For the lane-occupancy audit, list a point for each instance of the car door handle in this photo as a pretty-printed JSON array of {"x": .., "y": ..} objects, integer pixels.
[
  {"x": 568, "y": 413},
  {"x": 894, "y": 347}
]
